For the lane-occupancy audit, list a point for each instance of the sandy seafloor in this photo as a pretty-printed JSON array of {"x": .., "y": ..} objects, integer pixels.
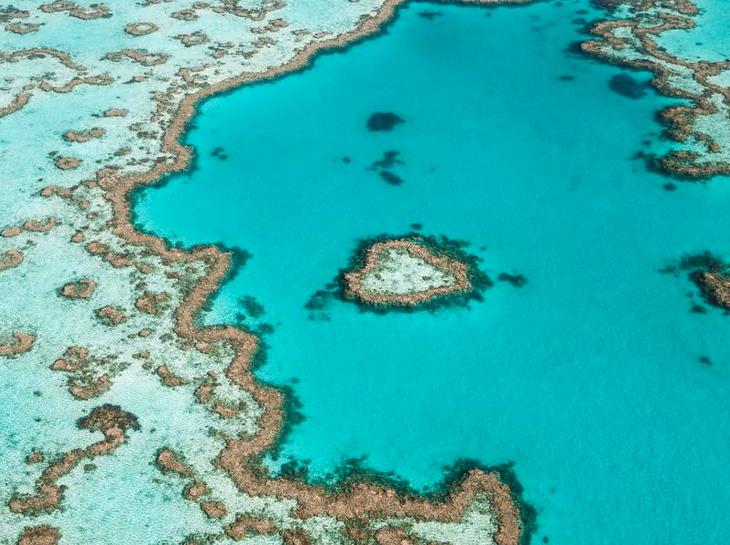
[{"x": 589, "y": 378}]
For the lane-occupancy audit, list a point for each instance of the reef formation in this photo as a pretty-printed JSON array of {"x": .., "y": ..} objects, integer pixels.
[
  {"x": 128, "y": 302},
  {"x": 715, "y": 286},
  {"x": 709, "y": 273},
  {"x": 411, "y": 271},
  {"x": 114, "y": 114},
  {"x": 631, "y": 37}
]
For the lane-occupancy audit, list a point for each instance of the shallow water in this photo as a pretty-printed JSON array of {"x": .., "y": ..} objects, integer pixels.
[
  {"x": 708, "y": 41},
  {"x": 588, "y": 377}
]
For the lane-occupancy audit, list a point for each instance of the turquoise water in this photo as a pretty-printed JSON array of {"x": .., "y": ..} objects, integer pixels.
[
  {"x": 709, "y": 41},
  {"x": 588, "y": 378}
]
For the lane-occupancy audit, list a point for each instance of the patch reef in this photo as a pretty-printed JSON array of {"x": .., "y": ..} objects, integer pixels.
[{"x": 402, "y": 272}]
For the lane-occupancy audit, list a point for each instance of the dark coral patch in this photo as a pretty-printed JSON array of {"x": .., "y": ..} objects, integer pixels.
[
  {"x": 219, "y": 153},
  {"x": 319, "y": 302},
  {"x": 383, "y": 121},
  {"x": 627, "y": 86},
  {"x": 108, "y": 416},
  {"x": 384, "y": 164},
  {"x": 252, "y": 307},
  {"x": 390, "y": 178},
  {"x": 389, "y": 160},
  {"x": 517, "y": 280},
  {"x": 710, "y": 274},
  {"x": 696, "y": 262}
]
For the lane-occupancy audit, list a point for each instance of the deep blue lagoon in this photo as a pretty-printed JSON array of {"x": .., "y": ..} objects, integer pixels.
[{"x": 596, "y": 378}]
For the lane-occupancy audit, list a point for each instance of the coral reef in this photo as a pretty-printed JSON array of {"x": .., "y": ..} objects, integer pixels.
[
  {"x": 715, "y": 286},
  {"x": 39, "y": 535},
  {"x": 112, "y": 422},
  {"x": 78, "y": 289},
  {"x": 403, "y": 272},
  {"x": 21, "y": 343},
  {"x": 412, "y": 271},
  {"x": 632, "y": 39},
  {"x": 143, "y": 312}
]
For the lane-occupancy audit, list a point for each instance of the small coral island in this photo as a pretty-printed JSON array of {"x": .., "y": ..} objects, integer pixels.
[{"x": 413, "y": 271}]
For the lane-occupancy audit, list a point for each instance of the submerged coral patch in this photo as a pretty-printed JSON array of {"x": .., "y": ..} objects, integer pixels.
[
  {"x": 388, "y": 160},
  {"x": 110, "y": 315},
  {"x": 140, "y": 28},
  {"x": 390, "y": 178},
  {"x": 517, "y": 280},
  {"x": 67, "y": 163},
  {"x": 112, "y": 422},
  {"x": 83, "y": 136},
  {"x": 710, "y": 273},
  {"x": 626, "y": 85},
  {"x": 39, "y": 535},
  {"x": 78, "y": 289},
  {"x": 19, "y": 343},
  {"x": 384, "y": 165},
  {"x": 715, "y": 286},
  {"x": 430, "y": 15},
  {"x": 383, "y": 121},
  {"x": 10, "y": 258}
]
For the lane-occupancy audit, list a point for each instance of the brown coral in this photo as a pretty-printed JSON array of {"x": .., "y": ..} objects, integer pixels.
[
  {"x": 169, "y": 462},
  {"x": 112, "y": 422},
  {"x": 214, "y": 509},
  {"x": 110, "y": 315},
  {"x": 242, "y": 526},
  {"x": 140, "y": 28},
  {"x": 715, "y": 287},
  {"x": 152, "y": 303},
  {"x": 168, "y": 377},
  {"x": 83, "y": 136},
  {"x": 10, "y": 258},
  {"x": 67, "y": 163},
  {"x": 78, "y": 289},
  {"x": 21, "y": 343},
  {"x": 115, "y": 112},
  {"x": 39, "y": 535}
]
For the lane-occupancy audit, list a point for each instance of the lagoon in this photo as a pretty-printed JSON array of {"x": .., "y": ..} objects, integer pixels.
[{"x": 589, "y": 378}]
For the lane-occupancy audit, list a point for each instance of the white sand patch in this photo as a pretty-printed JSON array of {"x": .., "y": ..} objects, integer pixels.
[{"x": 400, "y": 273}]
